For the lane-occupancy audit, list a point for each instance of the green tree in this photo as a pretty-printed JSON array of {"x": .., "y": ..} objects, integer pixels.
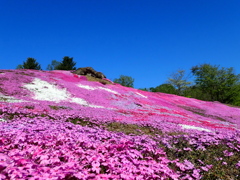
[
  {"x": 144, "y": 89},
  {"x": 54, "y": 65},
  {"x": 195, "y": 91},
  {"x": 20, "y": 66},
  {"x": 236, "y": 97},
  {"x": 30, "y": 63},
  {"x": 164, "y": 88},
  {"x": 218, "y": 83},
  {"x": 66, "y": 64},
  {"x": 178, "y": 81},
  {"x": 124, "y": 81}
]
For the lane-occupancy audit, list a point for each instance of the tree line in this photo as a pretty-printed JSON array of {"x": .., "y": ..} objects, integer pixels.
[
  {"x": 211, "y": 82},
  {"x": 67, "y": 63}
]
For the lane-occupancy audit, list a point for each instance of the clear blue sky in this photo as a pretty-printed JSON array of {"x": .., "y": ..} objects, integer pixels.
[{"x": 145, "y": 39}]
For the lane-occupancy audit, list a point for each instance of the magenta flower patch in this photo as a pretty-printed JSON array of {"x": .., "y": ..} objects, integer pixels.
[{"x": 58, "y": 125}]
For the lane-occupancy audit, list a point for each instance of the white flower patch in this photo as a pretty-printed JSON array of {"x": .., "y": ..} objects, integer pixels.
[
  {"x": 109, "y": 90},
  {"x": 79, "y": 101},
  {"x": 92, "y": 88},
  {"x": 84, "y": 103},
  {"x": 194, "y": 127},
  {"x": 9, "y": 99},
  {"x": 95, "y": 106},
  {"x": 141, "y": 95},
  {"x": 2, "y": 120},
  {"x": 46, "y": 92},
  {"x": 86, "y": 87}
]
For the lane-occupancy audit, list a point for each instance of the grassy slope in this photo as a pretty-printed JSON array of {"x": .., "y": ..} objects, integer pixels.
[{"x": 201, "y": 139}]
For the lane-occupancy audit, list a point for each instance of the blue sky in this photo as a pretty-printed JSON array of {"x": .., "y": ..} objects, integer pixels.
[{"x": 145, "y": 39}]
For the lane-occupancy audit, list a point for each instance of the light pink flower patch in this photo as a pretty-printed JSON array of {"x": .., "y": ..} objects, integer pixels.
[
  {"x": 227, "y": 153},
  {"x": 238, "y": 164}
]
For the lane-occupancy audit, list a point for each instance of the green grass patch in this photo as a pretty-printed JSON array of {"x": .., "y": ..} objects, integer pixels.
[
  {"x": 202, "y": 113},
  {"x": 230, "y": 105},
  {"x": 1, "y": 89},
  {"x": 25, "y": 74},
  {"x": 10, "y": 116},
  {"x": 223, "y": 167},
  {"x": 195, "y": 110},
  {"x": 103, "y": 81},
  {"x": 83, "y": 122},
  {"x": 133, "y": 129},
  {"x": 3, "y": 98},
  {"x": 29, "y": 107},
  {"x": 129, "y": 129},
  {"x": 57, "y": 107},
  {"x": 4, "y": 79}
]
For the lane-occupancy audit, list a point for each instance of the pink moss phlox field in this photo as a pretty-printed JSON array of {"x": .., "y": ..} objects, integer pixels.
[
  {"x": 39, "y": 148},
  {"x": 38, "y": 141}
]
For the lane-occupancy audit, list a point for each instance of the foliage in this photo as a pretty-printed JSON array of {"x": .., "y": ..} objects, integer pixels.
[
  {"x": 195, "y": 92},
  {"x": 179, "y": 81},
  {"x": 20, "y": 66},
  {"x": 144, "y": 89},
  {"x": 30, "y": 63},
  {"x": 66, "y": 64},
  {"x": 236, "y": 98},
  {"x": 164, "y": 88},
  {"x": 54, "y": 65},
  {"x": 124, "y": 81},
  {"x": 218, "y": 83}
]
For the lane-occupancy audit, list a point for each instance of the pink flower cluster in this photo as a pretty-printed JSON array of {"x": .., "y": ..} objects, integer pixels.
[{"x": 46, "y": 149}]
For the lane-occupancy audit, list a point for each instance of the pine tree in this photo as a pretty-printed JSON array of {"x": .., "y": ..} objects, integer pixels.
[
  {"x": 30, "y": 63},
  {"x": 67, "y": 64}
]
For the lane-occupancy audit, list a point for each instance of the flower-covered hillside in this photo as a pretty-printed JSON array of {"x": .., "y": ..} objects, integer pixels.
[{"x": 58, "y": 125}]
